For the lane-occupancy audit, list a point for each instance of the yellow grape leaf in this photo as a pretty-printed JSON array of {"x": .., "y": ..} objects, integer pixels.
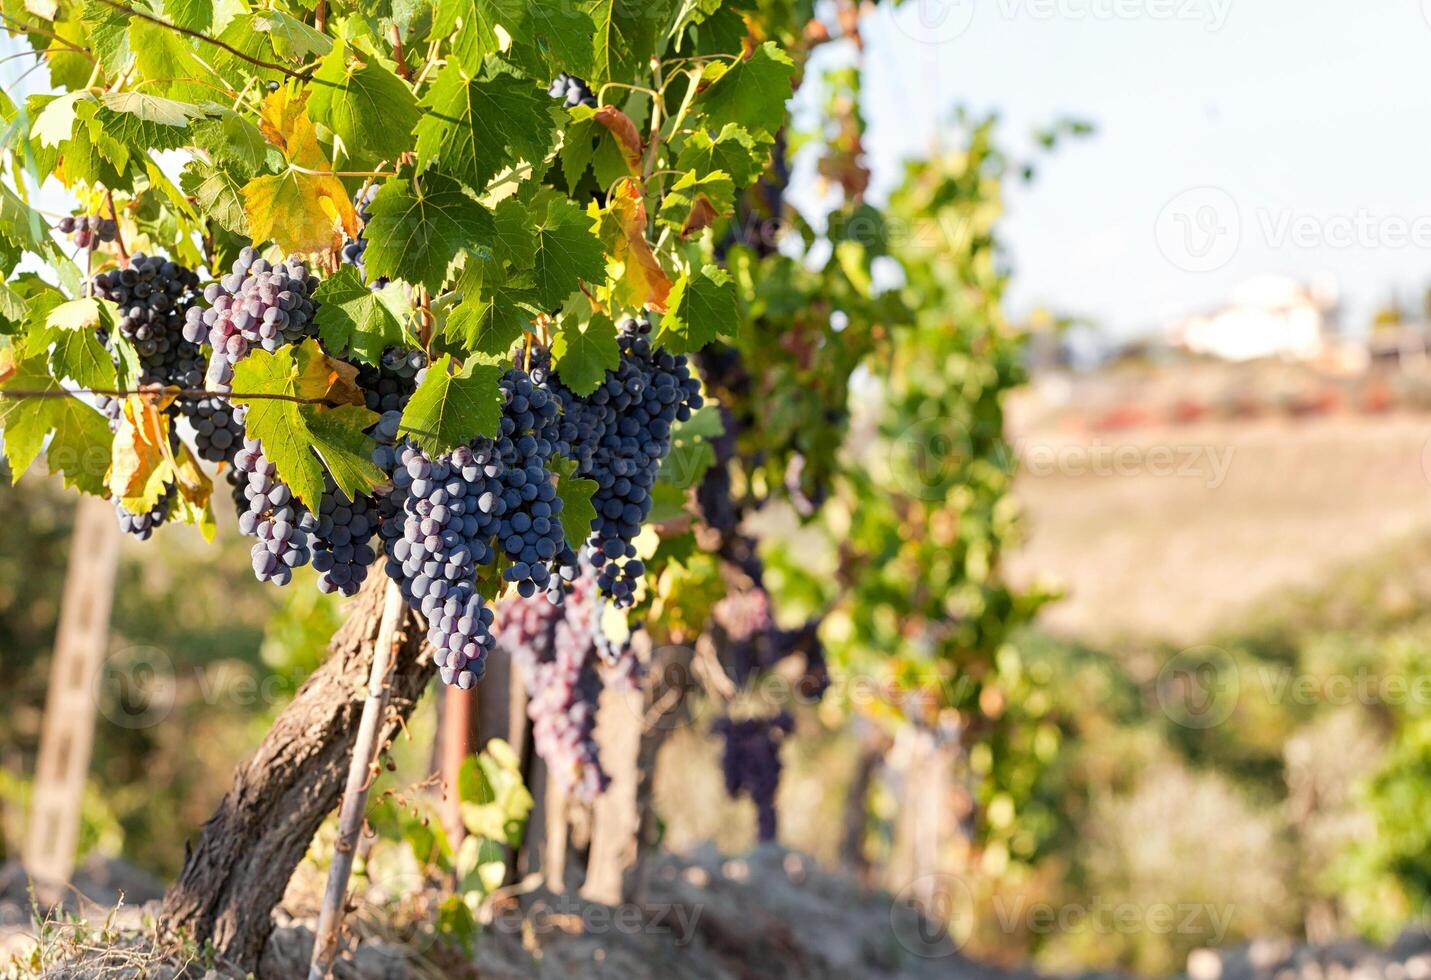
[
  {"x": 637, "y": 278},
  {"x": 196, "y": 491},
  {"x": 283, "y": 120},
  {"x": 141, "y": 465},
  {"x": 299, "y": 211},
  {"x": 7, "y": 364},
  {"x": 623, "y": 130},
  {"x": 342, "y": 383},
  {"x": 302, "y": 212}
]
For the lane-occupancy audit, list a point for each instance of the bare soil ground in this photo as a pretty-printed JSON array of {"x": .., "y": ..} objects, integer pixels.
[{"x": 1167, "y": 533}]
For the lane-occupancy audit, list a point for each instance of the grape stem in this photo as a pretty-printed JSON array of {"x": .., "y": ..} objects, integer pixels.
[
  {"x": 399, "y": 61},
  {"x": 118, "y": 234},
  {"x": 355, "y": 794}
]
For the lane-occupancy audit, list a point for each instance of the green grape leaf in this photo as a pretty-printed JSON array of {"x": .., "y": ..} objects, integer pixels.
[
  {"x": 578, "y": 513},
  {"x": 692, "y": 12},
  {"x": 357, "y": 322},
  {"x": 625, "y": 33},
  {"x": 691, "y": 451},
  {"x": 232, "y": 140},
  {"x": 583, "y": 353},
  {"x": 732, "y": 150},
  {"x": 78, "y": 314},
  {"x": 243, "y": 35},
  {"x": 79, "y": 356},
  {"x": 515, "y": 242},
  {"x": 490, "y": 319},
  {"x": 292, "y": 432},
  {"x": 477, "y": 37},
  {"x": 167, "y": 61},
  {"x": 369, "y": 109},
  {"x": 108, "y": 31},
  {"x": 751, "y": 93},
  {"x": 702, "y": 305},
  {"x": 448, "y": 409},
  {"x": 146, "y": 122},
  {"x": 218, "y": 194},
  {"x": 694, "y": 202},
  {"x": 292, "y": 39},
  {"x": 55, "y": 123},
  {"x": 566, "y": 252},
  {"x": 472, "y": 128},
  {"x": 78, "y": 435},
  {"x": 20, "y": 224},
  {"x": 196, "y": 15},
  {"x": 561, "y": 33},
  {"x": 413, "y": 234},
  {"x": 578, "y": 146}
]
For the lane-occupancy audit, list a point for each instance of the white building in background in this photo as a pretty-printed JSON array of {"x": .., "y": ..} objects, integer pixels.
[{"x": 1270, "y": 316}]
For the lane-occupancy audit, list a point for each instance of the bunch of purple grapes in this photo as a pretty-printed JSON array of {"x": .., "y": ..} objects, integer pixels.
[
  {"x": 355, "y": 248},
  {"x": 341, "y": 552},
  {"x": 572, "y": 91},
  {"x": 218, "y": 427},
  {"x": 387, "y": 388},
  {"x": 555, "y": 646},
  {"x": 435, "y": 535},
  {"x": 271, "y": 513},
  {"x": 153, "y": 296},
  {"x": 449, "y": 516},
  {"x": 140, "y": 526},
  {"x": 89, "y": 230},
  {"x": 619, "y": 435},
  {"x": 256, "y": 303},
  {"x": 750, "y": 761}
]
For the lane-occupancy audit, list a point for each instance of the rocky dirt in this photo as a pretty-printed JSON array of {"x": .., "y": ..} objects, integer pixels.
[{"x": 766, "y": 916}]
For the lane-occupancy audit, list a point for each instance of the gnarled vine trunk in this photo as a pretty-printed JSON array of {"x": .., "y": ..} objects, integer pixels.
[{"x": 236, "y": 873}]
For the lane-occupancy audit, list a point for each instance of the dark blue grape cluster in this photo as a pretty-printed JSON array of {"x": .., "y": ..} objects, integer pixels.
[
  {"x": 141, "y": 526},
  {"x": 271, "y": 514},
  {"x": 218, "y": 428},
  {"x": 257, "y": 303},
  {"x": 619, "y": 435},
  {"x": 341, "y": 552},
  {"x": 389, "y": 385},
  {"x": 521, "y": 492},
  {"x": 153, "y": 295},
  {"x": 572, "y": 91},
  {"x": 750, "y": 761},
  {"x": 387, "y": 388},
  {"x": 355, "y": 248},
  {"x": 492, "y": 499},
  {"x": 435, "y": 536}
]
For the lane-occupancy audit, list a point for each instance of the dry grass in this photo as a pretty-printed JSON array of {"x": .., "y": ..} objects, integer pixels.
[{"x": 1155, "y": 545}]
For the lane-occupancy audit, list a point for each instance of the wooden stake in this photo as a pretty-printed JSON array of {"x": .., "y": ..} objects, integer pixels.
[
  {"x": 456, "y": 720},
  {"x": 71, "y": 702},
  {"x": 615, "y": 819},
  {"x": 355, "y": 795}
]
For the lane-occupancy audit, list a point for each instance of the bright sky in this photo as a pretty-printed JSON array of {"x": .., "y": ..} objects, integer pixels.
[{"x": 1298, "y": 126}]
